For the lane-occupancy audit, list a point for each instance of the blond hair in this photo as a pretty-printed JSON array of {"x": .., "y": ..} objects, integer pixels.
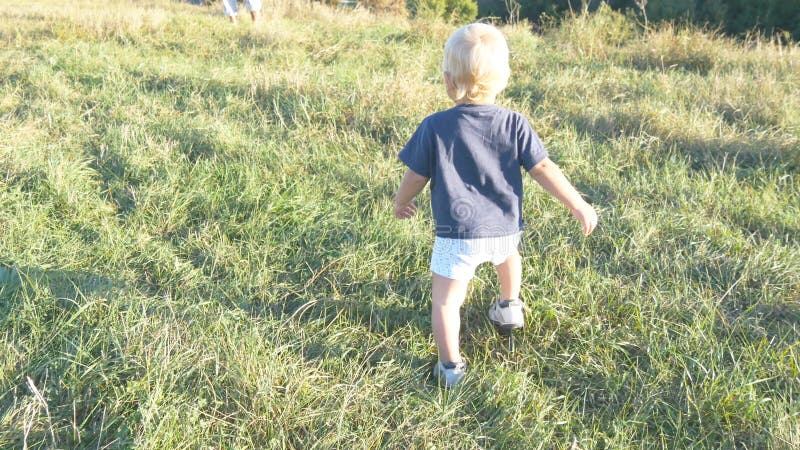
[{"x": 476, "y": 60}]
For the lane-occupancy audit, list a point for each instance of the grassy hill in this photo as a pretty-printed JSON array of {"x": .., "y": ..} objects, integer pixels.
[{"x": 198, "y": 250}]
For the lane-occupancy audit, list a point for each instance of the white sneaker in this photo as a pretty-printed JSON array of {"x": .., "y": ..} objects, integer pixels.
[
  {"x": 507, "y": 315},
  {"x": 449, "y": 374}
]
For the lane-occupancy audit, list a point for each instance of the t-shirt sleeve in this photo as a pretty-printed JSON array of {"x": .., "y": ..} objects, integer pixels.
[
  {"x": 417, "y": 153},
  {"x": 530, "y": 147}
]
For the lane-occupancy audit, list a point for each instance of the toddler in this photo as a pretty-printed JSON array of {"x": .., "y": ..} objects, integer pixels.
[{"x": 472, "y": 154}]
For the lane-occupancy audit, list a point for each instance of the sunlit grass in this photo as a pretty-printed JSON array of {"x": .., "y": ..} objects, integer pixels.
[{"x": 198, "y": 249}]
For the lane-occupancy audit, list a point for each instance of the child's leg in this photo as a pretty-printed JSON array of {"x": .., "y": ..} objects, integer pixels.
[
  {"x": 448, "y": 296},
  {"x": 509, "y": 273},
  {"x": 255, "y": 9}
]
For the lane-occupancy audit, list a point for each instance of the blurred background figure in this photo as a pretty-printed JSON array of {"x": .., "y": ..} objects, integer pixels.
[{"x": 231, "y": 10}]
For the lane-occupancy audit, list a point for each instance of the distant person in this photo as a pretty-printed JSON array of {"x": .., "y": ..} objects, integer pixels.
[
  {"x": 472, "y": 154},
  {"x": 230, "y": 8}
]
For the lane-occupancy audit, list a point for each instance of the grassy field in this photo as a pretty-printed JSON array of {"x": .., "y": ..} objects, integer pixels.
[{"x": 198, "y": 249}]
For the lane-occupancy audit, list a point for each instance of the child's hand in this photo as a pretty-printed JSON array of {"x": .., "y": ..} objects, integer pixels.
[
  {"x": 587, "y": 216},
  {"x": 406, "y": 211},
  {"x": 411, "y": 185}
]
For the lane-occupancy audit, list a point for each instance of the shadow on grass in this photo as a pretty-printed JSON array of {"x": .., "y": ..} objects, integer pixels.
[
  {"x": 194, "y": 143},
  {"x": 32, "y": 181},
  {"x": 742, "y": 309},
  {"x": 699, "y": 61},
  {"x": 743, "y": 156},
  {"x": 326, "y": 310},
  {"x": 64, "y": 286},
  {"x": 703, "y": 154},
  {"x": 280, "y": 103},
  {"x": 779, "y": 319},
  {"x": 380, "y": 320},
  {"x": 47, "y": 326},
  {"x": 742, "y": 321},
  {"x": 763, "y": 229},
  {"x": 742, "y": 306},
  {"x": 117, "y": 179}
]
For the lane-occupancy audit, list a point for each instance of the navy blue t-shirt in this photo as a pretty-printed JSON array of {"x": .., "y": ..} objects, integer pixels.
[{"x": 472, "y": 155}]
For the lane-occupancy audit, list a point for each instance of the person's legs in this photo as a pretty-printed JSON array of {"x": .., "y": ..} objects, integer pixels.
[
  {"x": 448, "y": 296},
  {"x": 255, "y": 9},
  {"x": 507, "y": 312},
  {"x": 509, "y": 274},
  {"x": 230, "y": 9}
]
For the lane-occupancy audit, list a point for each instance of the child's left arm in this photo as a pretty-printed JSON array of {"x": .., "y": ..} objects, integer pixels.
[
  {"x": 550, "y": 177},
  {"x": 412, "y": 184}
]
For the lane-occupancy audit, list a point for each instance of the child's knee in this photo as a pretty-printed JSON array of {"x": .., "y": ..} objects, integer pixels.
[
  {"x": 448, "y": 302},
  {"x": 513, "y": 258},
  {"x": 447, "y": 292}
]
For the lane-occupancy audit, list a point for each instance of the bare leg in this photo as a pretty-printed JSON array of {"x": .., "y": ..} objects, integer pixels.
[
  {"x": 255, "y": 15},
  {"x": 448, "y": 296},
  {"x": 230, "y": 10},
  {"x": 509, "y": 273}
]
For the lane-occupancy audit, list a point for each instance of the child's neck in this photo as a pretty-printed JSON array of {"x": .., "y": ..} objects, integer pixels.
[{"x": 488, "y": 101}]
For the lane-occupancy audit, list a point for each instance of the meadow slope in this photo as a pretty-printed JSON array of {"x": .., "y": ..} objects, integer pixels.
[{"x": 198, "y": 251}]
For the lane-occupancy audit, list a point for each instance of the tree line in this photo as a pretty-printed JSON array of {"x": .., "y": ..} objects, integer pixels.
[{"x": 736, "y": 17}]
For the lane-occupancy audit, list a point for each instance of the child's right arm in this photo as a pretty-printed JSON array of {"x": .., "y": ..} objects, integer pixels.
[
  {"x": 550, "y": 177},
  {"x": 412, "y": 184}
]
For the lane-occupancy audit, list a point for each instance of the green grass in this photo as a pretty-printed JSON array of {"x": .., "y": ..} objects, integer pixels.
[{"x": 200, "y": 217}]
